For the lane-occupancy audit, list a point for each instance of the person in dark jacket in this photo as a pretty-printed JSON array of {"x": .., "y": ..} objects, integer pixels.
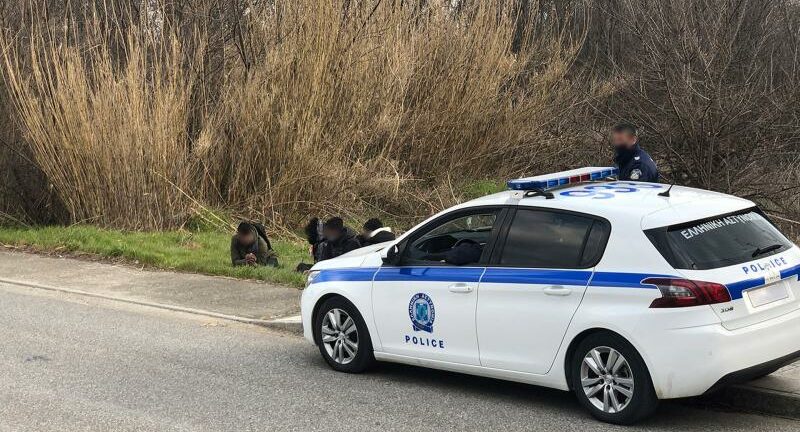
[
  {"x": 373, "y": 232},
  {"x": 316, "y": 242},
  {"x": 633, "y": 162},
  {"x": 464, "y": 252},
  {"x": 339, "y": 239},
  {"x": 248, "y": 248},
  {"x": 315, "y": 237}
]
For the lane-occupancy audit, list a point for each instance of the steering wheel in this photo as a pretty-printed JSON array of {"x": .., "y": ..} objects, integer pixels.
[{"x": 463, "y": 241}]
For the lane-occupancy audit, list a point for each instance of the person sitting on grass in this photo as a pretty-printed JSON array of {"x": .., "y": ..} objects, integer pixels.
[
  {"x": 316, "y": 242},
  {"x": 338, "y": 239},
  {"x": 374, "y": 232},
  {"x": 248, "y": 248}
]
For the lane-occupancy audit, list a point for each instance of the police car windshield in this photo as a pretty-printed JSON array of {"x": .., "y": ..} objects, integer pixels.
[
  {"x": 470, "y": 224},
  {"x": 457, "y": 231},
  {"x": 719, "y": 241}
]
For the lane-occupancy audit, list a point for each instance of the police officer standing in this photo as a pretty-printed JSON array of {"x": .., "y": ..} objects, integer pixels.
[{"x": 633, "y": 162}]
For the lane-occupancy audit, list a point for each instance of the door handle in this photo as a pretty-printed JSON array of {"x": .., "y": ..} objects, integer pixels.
[
  {"x": 460, "y": 288},
  {"x": 557, "y": 290}
]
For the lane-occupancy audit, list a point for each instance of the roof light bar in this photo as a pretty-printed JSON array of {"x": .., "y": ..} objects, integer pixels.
[{"x": 550, "y": 181}]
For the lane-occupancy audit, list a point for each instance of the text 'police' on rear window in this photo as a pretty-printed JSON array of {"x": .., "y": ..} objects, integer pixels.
[{"x": 720, "y": 241}]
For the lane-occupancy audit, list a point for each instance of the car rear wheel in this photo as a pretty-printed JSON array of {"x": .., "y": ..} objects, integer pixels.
[
  {"x": 611, "y": 380},
  {"x": 342, "y": 336}
]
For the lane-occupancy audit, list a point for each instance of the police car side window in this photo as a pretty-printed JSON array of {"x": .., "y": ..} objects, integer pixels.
[
  {"x": 596, "y": 243},
  {"x": 545, "y": 239},
  {"x": 458, "y": 241}
]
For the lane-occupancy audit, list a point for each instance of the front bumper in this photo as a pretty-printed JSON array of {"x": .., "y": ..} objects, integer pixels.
[
  {"x": 306, "y": 312},
  {"x": 693, "y": 361}
]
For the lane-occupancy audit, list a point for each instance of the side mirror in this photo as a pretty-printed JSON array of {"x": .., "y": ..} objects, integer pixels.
[{"x": 391, "y": 255}]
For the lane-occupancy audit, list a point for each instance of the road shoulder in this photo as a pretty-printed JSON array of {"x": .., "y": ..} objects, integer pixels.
[
  {"x": 244, "y": 301},
  {"x": 775, "y": 394}
]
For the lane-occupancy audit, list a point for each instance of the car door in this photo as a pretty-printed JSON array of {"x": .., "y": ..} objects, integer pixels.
[
  {"x": 533, "y": 286},
  {"x": 424, "y": 307}
]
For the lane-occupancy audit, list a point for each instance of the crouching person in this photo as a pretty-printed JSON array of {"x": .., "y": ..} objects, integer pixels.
[
  {"x": 316, "y": 242},
  {"x": 374, "y": 232},
  {"x": 249, "y": 248},
  {"x": 338, "y": 239}
]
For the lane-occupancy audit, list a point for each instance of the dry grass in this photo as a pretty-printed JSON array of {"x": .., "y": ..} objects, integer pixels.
[
  {"x": 106, "y": 122},
  {"x": 335, "y": 107},
  {"x": 353, "y": 115},
  {"x": 139, "y": 114}
]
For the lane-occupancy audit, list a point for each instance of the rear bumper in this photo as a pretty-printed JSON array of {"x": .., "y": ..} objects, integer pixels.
[
  {"x": 753, "y": 372},
  {"x": 693, "y": 361}
]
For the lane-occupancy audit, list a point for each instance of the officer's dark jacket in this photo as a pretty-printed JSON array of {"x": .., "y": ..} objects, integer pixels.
[
  {"x": 345, "y": 243},
  {"x": 635, "y": 164}
]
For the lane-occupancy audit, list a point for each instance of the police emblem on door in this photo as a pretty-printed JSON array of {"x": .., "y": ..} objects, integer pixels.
[{"x": 421, "y": 312}]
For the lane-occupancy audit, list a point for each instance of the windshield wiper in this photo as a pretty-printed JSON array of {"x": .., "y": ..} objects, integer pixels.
[{"x": 766, "y": 249}]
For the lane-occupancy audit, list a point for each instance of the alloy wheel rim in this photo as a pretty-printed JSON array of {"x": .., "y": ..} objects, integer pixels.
[
  {"x": 607, "y": 379},
  {"x": 339, "y": 336}
]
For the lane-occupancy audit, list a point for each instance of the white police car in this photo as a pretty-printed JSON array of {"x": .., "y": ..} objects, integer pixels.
[{"x": 623, "y": 292}]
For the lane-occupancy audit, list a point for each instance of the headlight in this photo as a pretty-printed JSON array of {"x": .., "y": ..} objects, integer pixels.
[{"x": 311, "y": 276}]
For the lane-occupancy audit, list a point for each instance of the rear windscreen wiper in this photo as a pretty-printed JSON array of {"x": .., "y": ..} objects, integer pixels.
[{"x": 766, "y": 249}]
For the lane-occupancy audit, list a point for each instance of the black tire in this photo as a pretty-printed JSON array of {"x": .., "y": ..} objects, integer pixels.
[
  {"x": 364, "y": 357},
  {"x": 643, "y": 401}
]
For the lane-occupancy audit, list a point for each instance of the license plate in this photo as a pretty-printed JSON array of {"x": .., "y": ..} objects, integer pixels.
[{"x": 769, "y": 294}]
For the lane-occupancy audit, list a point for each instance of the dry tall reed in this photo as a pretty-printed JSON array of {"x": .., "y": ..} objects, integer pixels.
[
  {"x": 375, "y": 106},
  {"x": 105, "y": 115},
  {"x": 315, "y": 106}
]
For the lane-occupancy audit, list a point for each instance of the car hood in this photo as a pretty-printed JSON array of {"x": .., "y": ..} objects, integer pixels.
[{"x": 351, "y": 259}]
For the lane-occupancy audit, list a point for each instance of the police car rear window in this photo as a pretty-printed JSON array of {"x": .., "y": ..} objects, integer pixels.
[
  {"x": 546, "y": 239},
  {"x": 720, "y": 241}
]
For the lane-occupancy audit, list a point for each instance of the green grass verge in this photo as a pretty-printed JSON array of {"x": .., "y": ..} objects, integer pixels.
[
  {"x": 480, "y": 188},
  {"x": 205, "y": 252}
]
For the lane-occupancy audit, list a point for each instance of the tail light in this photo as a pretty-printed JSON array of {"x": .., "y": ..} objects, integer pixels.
[{"x": 676, "y": 293}]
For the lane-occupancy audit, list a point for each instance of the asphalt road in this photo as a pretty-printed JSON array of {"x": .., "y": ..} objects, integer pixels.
[{"x": 74, "y": 363}]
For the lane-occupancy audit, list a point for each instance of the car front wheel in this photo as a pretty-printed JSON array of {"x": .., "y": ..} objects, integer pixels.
[
  {"x": 611, "y": 380},
  {"x": 342, "y": 336}
]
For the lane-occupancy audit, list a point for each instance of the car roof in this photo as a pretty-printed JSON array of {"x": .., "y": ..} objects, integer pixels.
[{"x": 628, "y": 202}]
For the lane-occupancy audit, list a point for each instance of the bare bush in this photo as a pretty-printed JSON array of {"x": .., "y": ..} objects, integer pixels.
[{"x": 714, "y": 85}]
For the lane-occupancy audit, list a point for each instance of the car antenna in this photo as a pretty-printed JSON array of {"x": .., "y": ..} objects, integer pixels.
[{"x": 666, "y": 192}]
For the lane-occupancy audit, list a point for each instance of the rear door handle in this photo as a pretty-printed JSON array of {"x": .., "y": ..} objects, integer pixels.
[
  {"x": 557, "y": 290},
  {"x": 460, "y": 288}
]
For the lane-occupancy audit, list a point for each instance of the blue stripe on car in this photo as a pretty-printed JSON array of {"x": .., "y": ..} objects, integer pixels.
[
  {"x": 536, "y": 276},
  {"x": 791, "y": 271},
  {"x": 625, "y": 280},
  {"x": 430, "y": 274},
  {"x": 348, "y": 274},
  {"x": 492, "y": 275},
  {"x": 736, "y": 288},
  {"x": 520, "y": 276}
]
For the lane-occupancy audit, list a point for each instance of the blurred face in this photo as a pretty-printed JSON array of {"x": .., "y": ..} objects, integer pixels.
[
  {"x": 331, "y": 234},
  {"x": 247, "y": 239},
  {"x": 623, "y": 140}
]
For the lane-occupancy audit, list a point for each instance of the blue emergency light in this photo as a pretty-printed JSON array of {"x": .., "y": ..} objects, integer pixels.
[{"x": 554, "y": 180}]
